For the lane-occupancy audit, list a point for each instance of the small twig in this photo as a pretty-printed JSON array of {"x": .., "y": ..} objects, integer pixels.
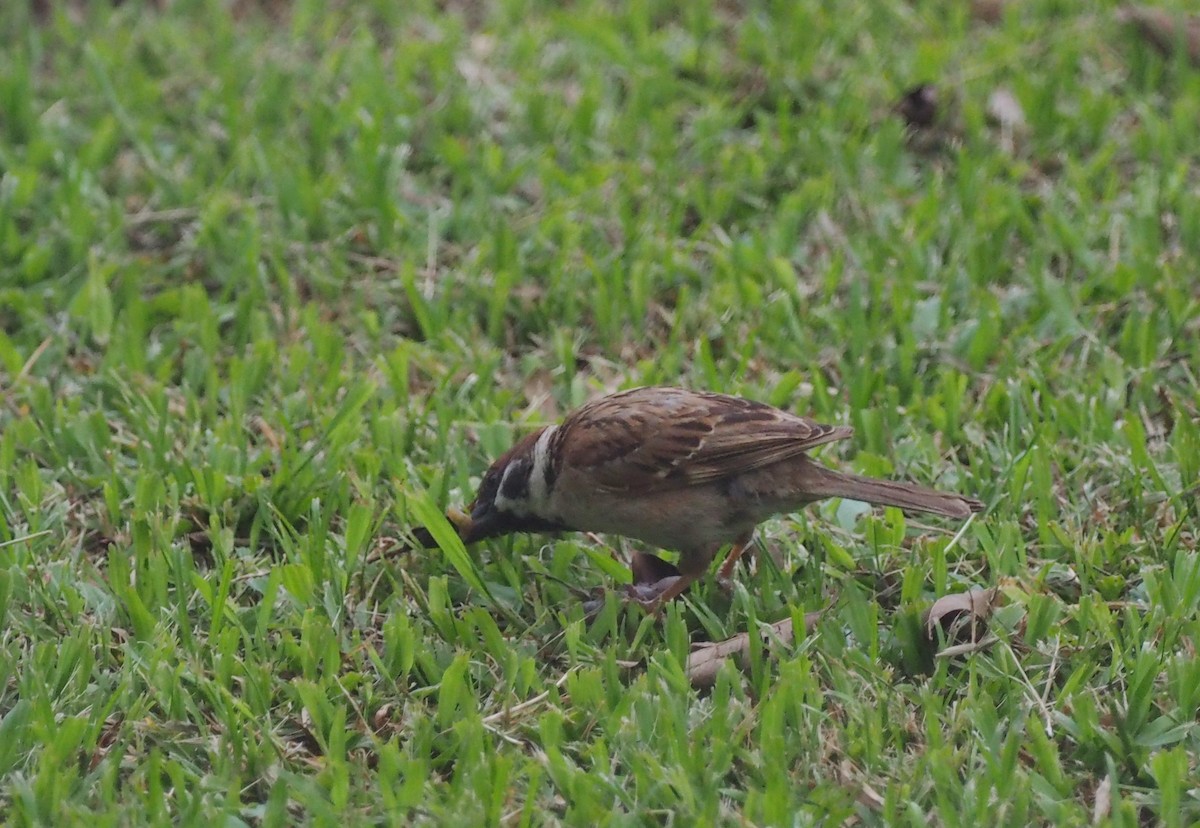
[
  {"x": 967, "y": 648},
  {"x": 512, "y": 740},
  {"x": 516, "y": 709}
]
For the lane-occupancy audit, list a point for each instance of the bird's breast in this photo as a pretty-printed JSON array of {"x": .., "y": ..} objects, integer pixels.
[{"x": 691, "y": 519}]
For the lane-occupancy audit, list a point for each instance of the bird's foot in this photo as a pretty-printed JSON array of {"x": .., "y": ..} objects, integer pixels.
[{"x": 650, "y": 597}]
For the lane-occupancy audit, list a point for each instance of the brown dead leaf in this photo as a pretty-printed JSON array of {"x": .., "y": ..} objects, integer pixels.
[
  {"x": 1165, "y": 30},
  {"x": 706, "y": 660},
  {"x": 963, "y": 616}
]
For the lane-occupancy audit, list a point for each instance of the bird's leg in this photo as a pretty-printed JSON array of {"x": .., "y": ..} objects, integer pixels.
[
  {"x": 657, "y": 583},
  {"x": 735, "y": 553},
  {"x": 653, "y": 596},
  {"x": 691, "y": 567},
  {"x": 649, "y": 594}
]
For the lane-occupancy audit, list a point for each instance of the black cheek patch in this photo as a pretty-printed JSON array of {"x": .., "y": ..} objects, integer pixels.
[{"x": 516, "y": 483}]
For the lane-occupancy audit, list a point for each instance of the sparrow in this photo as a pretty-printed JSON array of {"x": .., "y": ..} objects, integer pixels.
[{"x": 688, "y": 471}]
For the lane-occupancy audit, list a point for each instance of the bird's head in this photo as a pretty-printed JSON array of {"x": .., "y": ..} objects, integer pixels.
[{"x": 513, "y": 495}]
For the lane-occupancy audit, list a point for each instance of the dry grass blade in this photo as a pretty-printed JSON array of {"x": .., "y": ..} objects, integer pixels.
[
  {"x": 24, "y": 538},
  {"x": 706, "y": 660},
  {"x": 956, "y": 650},
  {"x": 867, "y": 796},
  {"x": 512, "y": 713}
]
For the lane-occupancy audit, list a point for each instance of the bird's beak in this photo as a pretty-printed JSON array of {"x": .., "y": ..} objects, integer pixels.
[
  {"x": 483, "y": 522},
  {"x": 459, "y": 518}
]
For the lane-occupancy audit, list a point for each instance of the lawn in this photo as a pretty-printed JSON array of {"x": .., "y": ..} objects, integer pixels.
[{"x": 278, "y": 279}]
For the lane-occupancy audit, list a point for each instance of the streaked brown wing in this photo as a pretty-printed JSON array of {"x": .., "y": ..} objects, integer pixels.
[{"x": 650, "y": 439}]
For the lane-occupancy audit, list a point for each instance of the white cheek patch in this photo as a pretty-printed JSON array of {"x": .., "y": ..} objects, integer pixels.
[{"x": 538, "y": 491}]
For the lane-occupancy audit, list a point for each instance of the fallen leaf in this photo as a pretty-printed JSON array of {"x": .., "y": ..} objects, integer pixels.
[
  {"x": 962, "y": 617},
  {"x": 706, "y": 660},
  {"x": 1165, "y": 30}
]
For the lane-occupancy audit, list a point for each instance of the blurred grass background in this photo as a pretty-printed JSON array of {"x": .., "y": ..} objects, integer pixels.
[{"x": 274, "y": 276}]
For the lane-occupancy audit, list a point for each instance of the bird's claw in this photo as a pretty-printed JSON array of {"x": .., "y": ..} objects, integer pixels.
[{"x": 647, "y": 596}]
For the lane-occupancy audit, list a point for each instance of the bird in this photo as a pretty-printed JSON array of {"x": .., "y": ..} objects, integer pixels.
[{"x": 682, "y": 470}]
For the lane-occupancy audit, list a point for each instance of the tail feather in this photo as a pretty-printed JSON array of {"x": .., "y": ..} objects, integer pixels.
[{"x": 830, "y": 483}]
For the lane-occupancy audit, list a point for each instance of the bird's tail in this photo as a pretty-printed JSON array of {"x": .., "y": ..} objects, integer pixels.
[{"x": 826, "y": 482}]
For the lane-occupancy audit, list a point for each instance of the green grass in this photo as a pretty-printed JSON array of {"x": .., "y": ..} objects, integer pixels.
[{"x": 272, "y": 286}]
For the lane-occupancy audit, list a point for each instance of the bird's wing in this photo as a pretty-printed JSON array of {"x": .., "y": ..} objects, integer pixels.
[{"x": 650, "y": 439}]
